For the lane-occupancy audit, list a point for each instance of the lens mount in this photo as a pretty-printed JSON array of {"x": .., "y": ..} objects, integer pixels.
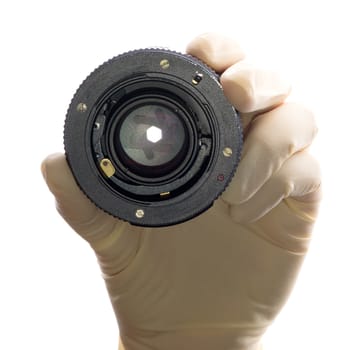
[{"x": 151, "y": 139}]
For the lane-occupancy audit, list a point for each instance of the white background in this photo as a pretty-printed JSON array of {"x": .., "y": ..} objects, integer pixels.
[{"x": 51, "y": 292}]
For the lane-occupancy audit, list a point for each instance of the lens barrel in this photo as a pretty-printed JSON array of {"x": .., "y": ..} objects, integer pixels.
[{"x": 151, "y": 139}]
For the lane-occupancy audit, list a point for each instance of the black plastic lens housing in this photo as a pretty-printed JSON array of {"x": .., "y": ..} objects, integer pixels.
[{"x": 151, "y": 139}]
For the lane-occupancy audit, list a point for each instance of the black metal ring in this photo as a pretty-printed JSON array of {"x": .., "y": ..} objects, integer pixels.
[{"x": 185, "y": 185}]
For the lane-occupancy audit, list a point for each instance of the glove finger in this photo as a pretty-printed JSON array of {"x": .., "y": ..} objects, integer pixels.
[
  {"x": 216, "y": 50},
  {"x": 273, "y": 137},
  {"x": 251, "y": 89},
  {"x": 299, "y": 178}
]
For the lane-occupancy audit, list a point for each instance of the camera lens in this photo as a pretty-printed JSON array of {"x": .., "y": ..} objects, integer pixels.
[{"x": 151, "y": 139}]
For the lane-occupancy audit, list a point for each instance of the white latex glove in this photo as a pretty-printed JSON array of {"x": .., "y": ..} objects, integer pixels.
[{"x": 218, "y": 281}]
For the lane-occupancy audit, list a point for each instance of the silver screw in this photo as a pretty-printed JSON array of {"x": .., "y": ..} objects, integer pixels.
[
  {"x": 164, "y": 64},
  {"x": 82, "y": 107},
  {"x": 139, "y": 213},
  {"x": 227, "y": 152}
]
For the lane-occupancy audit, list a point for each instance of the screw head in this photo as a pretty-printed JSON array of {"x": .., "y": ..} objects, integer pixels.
[
  {"x": 81, "y": 107},
  {"x": 164, "y": 64},
  {"x": 139, "y": 213},
  {"x": 227, "y": 152}
]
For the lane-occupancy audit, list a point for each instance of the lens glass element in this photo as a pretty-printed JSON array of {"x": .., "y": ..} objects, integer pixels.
[{"x": 152, "y": 135}]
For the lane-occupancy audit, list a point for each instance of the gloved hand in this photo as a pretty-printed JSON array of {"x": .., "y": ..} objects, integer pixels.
[{"x": 215, "y": 282}]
